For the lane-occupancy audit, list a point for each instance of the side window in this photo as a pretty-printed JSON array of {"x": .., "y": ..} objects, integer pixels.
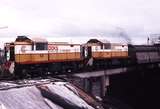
[
  {"x": 12, "y": 54},
  {"x": 32, "y": 46},
  {"x": 107, "y": 46},
  {"x": 41, "y": 46},
  {"x": 101, "y": 46}
]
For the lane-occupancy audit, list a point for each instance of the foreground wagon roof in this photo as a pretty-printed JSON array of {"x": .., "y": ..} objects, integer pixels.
[{"x": 44, "y": 94}]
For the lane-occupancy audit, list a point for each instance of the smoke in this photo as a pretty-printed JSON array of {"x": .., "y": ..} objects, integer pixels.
[{"x": 123, "y": 34}]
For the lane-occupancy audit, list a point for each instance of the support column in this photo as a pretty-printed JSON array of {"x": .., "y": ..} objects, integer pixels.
[
  {"x": 87, "y": 84},
  {"x": 104, "y": 83},
  {"x": 102, "y": 86}
]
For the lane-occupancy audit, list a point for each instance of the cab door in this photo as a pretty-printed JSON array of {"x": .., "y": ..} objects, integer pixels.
[
  {"x": 9, "y": 52},
  {"x": 89, "y": 52},
  {"x": 12, "y": 54},
  {"x": 86, "y": 52}
]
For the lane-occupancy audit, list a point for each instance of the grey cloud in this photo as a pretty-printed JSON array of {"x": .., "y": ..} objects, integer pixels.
[{"x": 84, "y": 18}]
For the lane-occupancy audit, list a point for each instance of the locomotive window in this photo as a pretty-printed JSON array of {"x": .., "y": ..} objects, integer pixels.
[
  {"x": 41, "y": 46},
  {"x": 101, "y": 46},
  {"x": 32, "y": 46},
  {"x": 107, "y": 46},
  {"x": 71, "y": 45}
]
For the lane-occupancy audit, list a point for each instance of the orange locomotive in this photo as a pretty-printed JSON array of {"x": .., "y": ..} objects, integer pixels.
[
  {"x": 103, "y": 55},
  {"x": 37, "y": 56},
  {"x": 40, "y": 51},
  {"x": 104, "y": 49}
]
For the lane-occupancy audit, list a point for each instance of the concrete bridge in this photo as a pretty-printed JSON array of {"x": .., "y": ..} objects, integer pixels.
[{"x": 128, "y": 84}]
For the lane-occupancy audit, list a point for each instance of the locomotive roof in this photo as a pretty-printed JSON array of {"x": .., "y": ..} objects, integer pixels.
[
  {"x": 98, "y": 41},
  {"x": 39, "y": 39},
  {"x": 28, "y": 39},
  {"x": 22, "y": 38},
  {"x": 62, "y": 43}
]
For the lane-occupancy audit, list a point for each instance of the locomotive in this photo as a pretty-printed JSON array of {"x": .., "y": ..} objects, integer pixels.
[
  {"x": 26, "y": 55},
  {"x": 36, "y": 56}
]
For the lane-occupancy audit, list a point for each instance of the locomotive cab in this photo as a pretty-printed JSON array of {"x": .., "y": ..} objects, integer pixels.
[
  {"x": 93, "y": 50},
  {"x": 96, "y": 47}
]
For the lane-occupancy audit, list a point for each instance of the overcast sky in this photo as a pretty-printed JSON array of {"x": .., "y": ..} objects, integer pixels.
[{"x": 79, "y": 19}]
